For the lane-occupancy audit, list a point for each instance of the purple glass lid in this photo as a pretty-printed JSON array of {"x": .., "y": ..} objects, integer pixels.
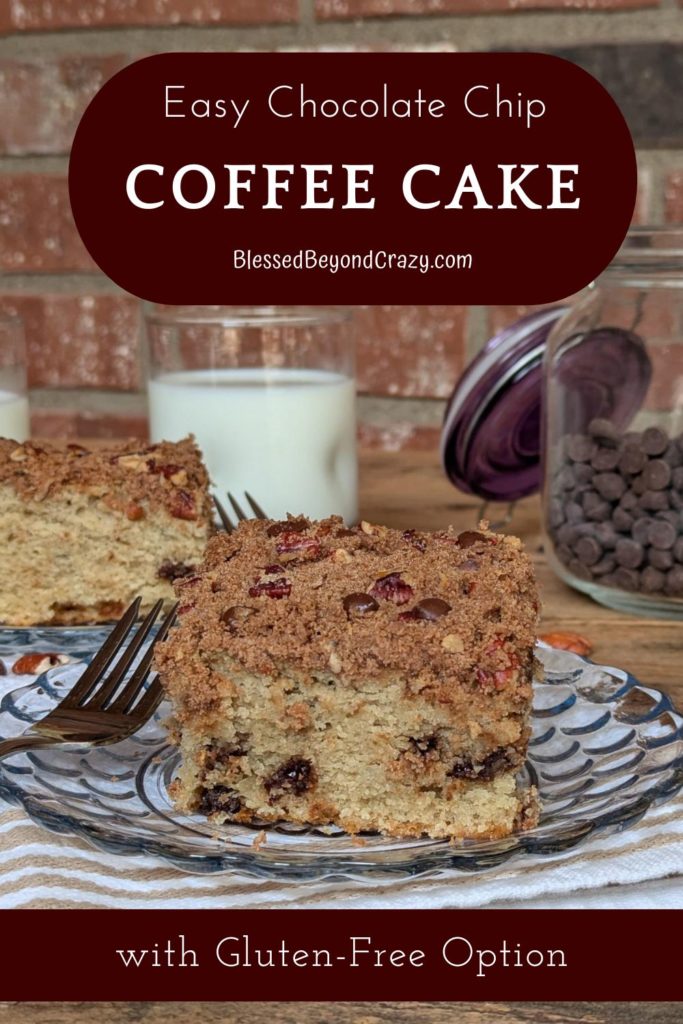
[{"x": 491, "y": 436}]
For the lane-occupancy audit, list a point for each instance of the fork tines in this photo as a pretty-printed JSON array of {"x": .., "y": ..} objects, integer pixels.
[
  {"x": 99, "y": 690},
  {"x": 225, "y": 519}
]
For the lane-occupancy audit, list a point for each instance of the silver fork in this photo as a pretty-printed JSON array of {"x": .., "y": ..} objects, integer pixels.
[
  {"x": 225, "y": 519},
  {"x": 103, "y": 707}
]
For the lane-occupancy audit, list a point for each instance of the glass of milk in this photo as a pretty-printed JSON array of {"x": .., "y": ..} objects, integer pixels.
[
  {"x": 14, "y": 418},
  {"x": 269, "y": 393}
]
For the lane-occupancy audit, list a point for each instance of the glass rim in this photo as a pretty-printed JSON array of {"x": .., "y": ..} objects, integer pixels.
[
  {"x": 651, "y": 242},
  {"x": 249, "y": 316}
]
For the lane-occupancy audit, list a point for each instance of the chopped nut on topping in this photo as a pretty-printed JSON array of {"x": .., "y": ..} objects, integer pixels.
[
  {"x": 341, "y": 556},
  {"x": 183, "y": 505},
  {"x": 134, "y": 511},
  {"x": 367, "y": 527},
  {"x": 133, "y": 462},
  {"x": 335, "y": 662},
  {"x": 18, "y": 455},
  {"x": 453, "y": 643},
  {"x": 179, "y": 478}
]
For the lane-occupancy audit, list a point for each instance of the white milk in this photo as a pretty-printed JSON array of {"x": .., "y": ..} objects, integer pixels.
[
  {"x": 288, "y": 436},
  {"x": 14, "y": 422}
]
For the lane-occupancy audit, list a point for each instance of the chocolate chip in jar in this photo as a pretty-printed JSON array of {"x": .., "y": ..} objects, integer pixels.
[{"x": 654, "y": 441}]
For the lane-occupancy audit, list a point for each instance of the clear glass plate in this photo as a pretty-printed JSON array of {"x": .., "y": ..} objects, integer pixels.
[
  {"x": 604, "y": 748},
  {"x": 78, "y": 641}
]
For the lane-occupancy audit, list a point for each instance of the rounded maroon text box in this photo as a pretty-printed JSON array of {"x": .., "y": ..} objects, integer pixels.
[{"x": 352, "y": 178}]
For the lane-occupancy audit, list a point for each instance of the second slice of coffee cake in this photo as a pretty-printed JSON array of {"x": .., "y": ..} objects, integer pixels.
[
  {"x": 85, "y": 531},
  {"x": 370, "y": 678}
]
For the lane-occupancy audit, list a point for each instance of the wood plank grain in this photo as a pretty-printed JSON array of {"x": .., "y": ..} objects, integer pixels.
[
  {"x": 410, "y": 489},
  {"x": 341, "y": 1013}
]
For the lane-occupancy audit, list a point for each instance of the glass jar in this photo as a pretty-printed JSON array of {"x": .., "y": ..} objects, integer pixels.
[
  {"x": 14, "y": 410},
  {"x": 269, "y": 393},
  {"x": 613, "y": 432}
]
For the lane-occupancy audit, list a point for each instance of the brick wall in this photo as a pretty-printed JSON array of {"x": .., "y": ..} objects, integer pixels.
[{"x": 85, "y": 372}]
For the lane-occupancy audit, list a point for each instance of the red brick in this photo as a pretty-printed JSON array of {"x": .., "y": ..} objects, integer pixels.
[
  {"x": 413, "y": 351},
  {"x": 674, "y": 196},
  {"x": 79, "y": 341},
  {"x": 56, "y": 424},
  {"x": 339, "y": 9},
  {"x": 63, "y": 14},
  {"x": 398, "y": 437},
  {"x": 499, "y": 317},
  {"x": 37, "y": 231},
  {"x": 45, "y": 99}
]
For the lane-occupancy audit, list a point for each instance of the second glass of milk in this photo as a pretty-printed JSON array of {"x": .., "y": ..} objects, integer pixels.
[
  {"x": 14, "y": 410},
  {"x": 269, "y": 394}
]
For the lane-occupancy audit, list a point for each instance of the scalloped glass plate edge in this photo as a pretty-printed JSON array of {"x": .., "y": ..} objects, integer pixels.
[{"x": 586, "y": 683}]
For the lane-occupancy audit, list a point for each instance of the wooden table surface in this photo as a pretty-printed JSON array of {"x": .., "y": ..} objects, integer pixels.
[
  {"x": 340, "y": 1013},
  {"x": 409, "y": 489}
]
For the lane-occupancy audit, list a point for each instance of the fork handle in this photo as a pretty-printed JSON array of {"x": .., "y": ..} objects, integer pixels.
[{"x": 18, "y": 743}]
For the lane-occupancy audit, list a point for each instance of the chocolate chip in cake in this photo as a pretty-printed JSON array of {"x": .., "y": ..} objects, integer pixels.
[
  {"x": 218, "y": 755},
  {"x": 287, "y": 526},
  {"x": 469, "y": 537},
  {"x": 359, "y": 604},
  {"x": 432, "y": 608},
  {"x": 296, "y": 776},
  {"x": 233, "y": 617},
  {"x": 220, "y": 798},
  {"x": 174, "y": 570},
  {"x": 496, "y": 761},
  {"x": 424, "y": 744}
]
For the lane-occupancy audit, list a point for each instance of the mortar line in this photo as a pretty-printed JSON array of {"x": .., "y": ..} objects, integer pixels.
[{"x": 525, "y": 29}]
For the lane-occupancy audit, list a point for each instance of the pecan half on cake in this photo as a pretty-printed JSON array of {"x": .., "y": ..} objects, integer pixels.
[
  {"x": 365, "y": 677},
  {"x": 84, "y": 532}
]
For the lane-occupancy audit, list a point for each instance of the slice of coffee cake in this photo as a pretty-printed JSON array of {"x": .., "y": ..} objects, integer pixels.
[
  {"x": 84, "y": 532},
  {"x": 365, "y": 677}
]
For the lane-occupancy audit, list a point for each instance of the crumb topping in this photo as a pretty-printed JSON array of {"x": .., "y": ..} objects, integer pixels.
[
  {"x": 128, "y": 476},
  {"x": 296, "y": 595}
]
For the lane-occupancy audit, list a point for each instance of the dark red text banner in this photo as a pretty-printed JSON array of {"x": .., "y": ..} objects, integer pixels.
[
  {"x": 340, "y": 955},
  {"x": 209, "y": 178}
]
